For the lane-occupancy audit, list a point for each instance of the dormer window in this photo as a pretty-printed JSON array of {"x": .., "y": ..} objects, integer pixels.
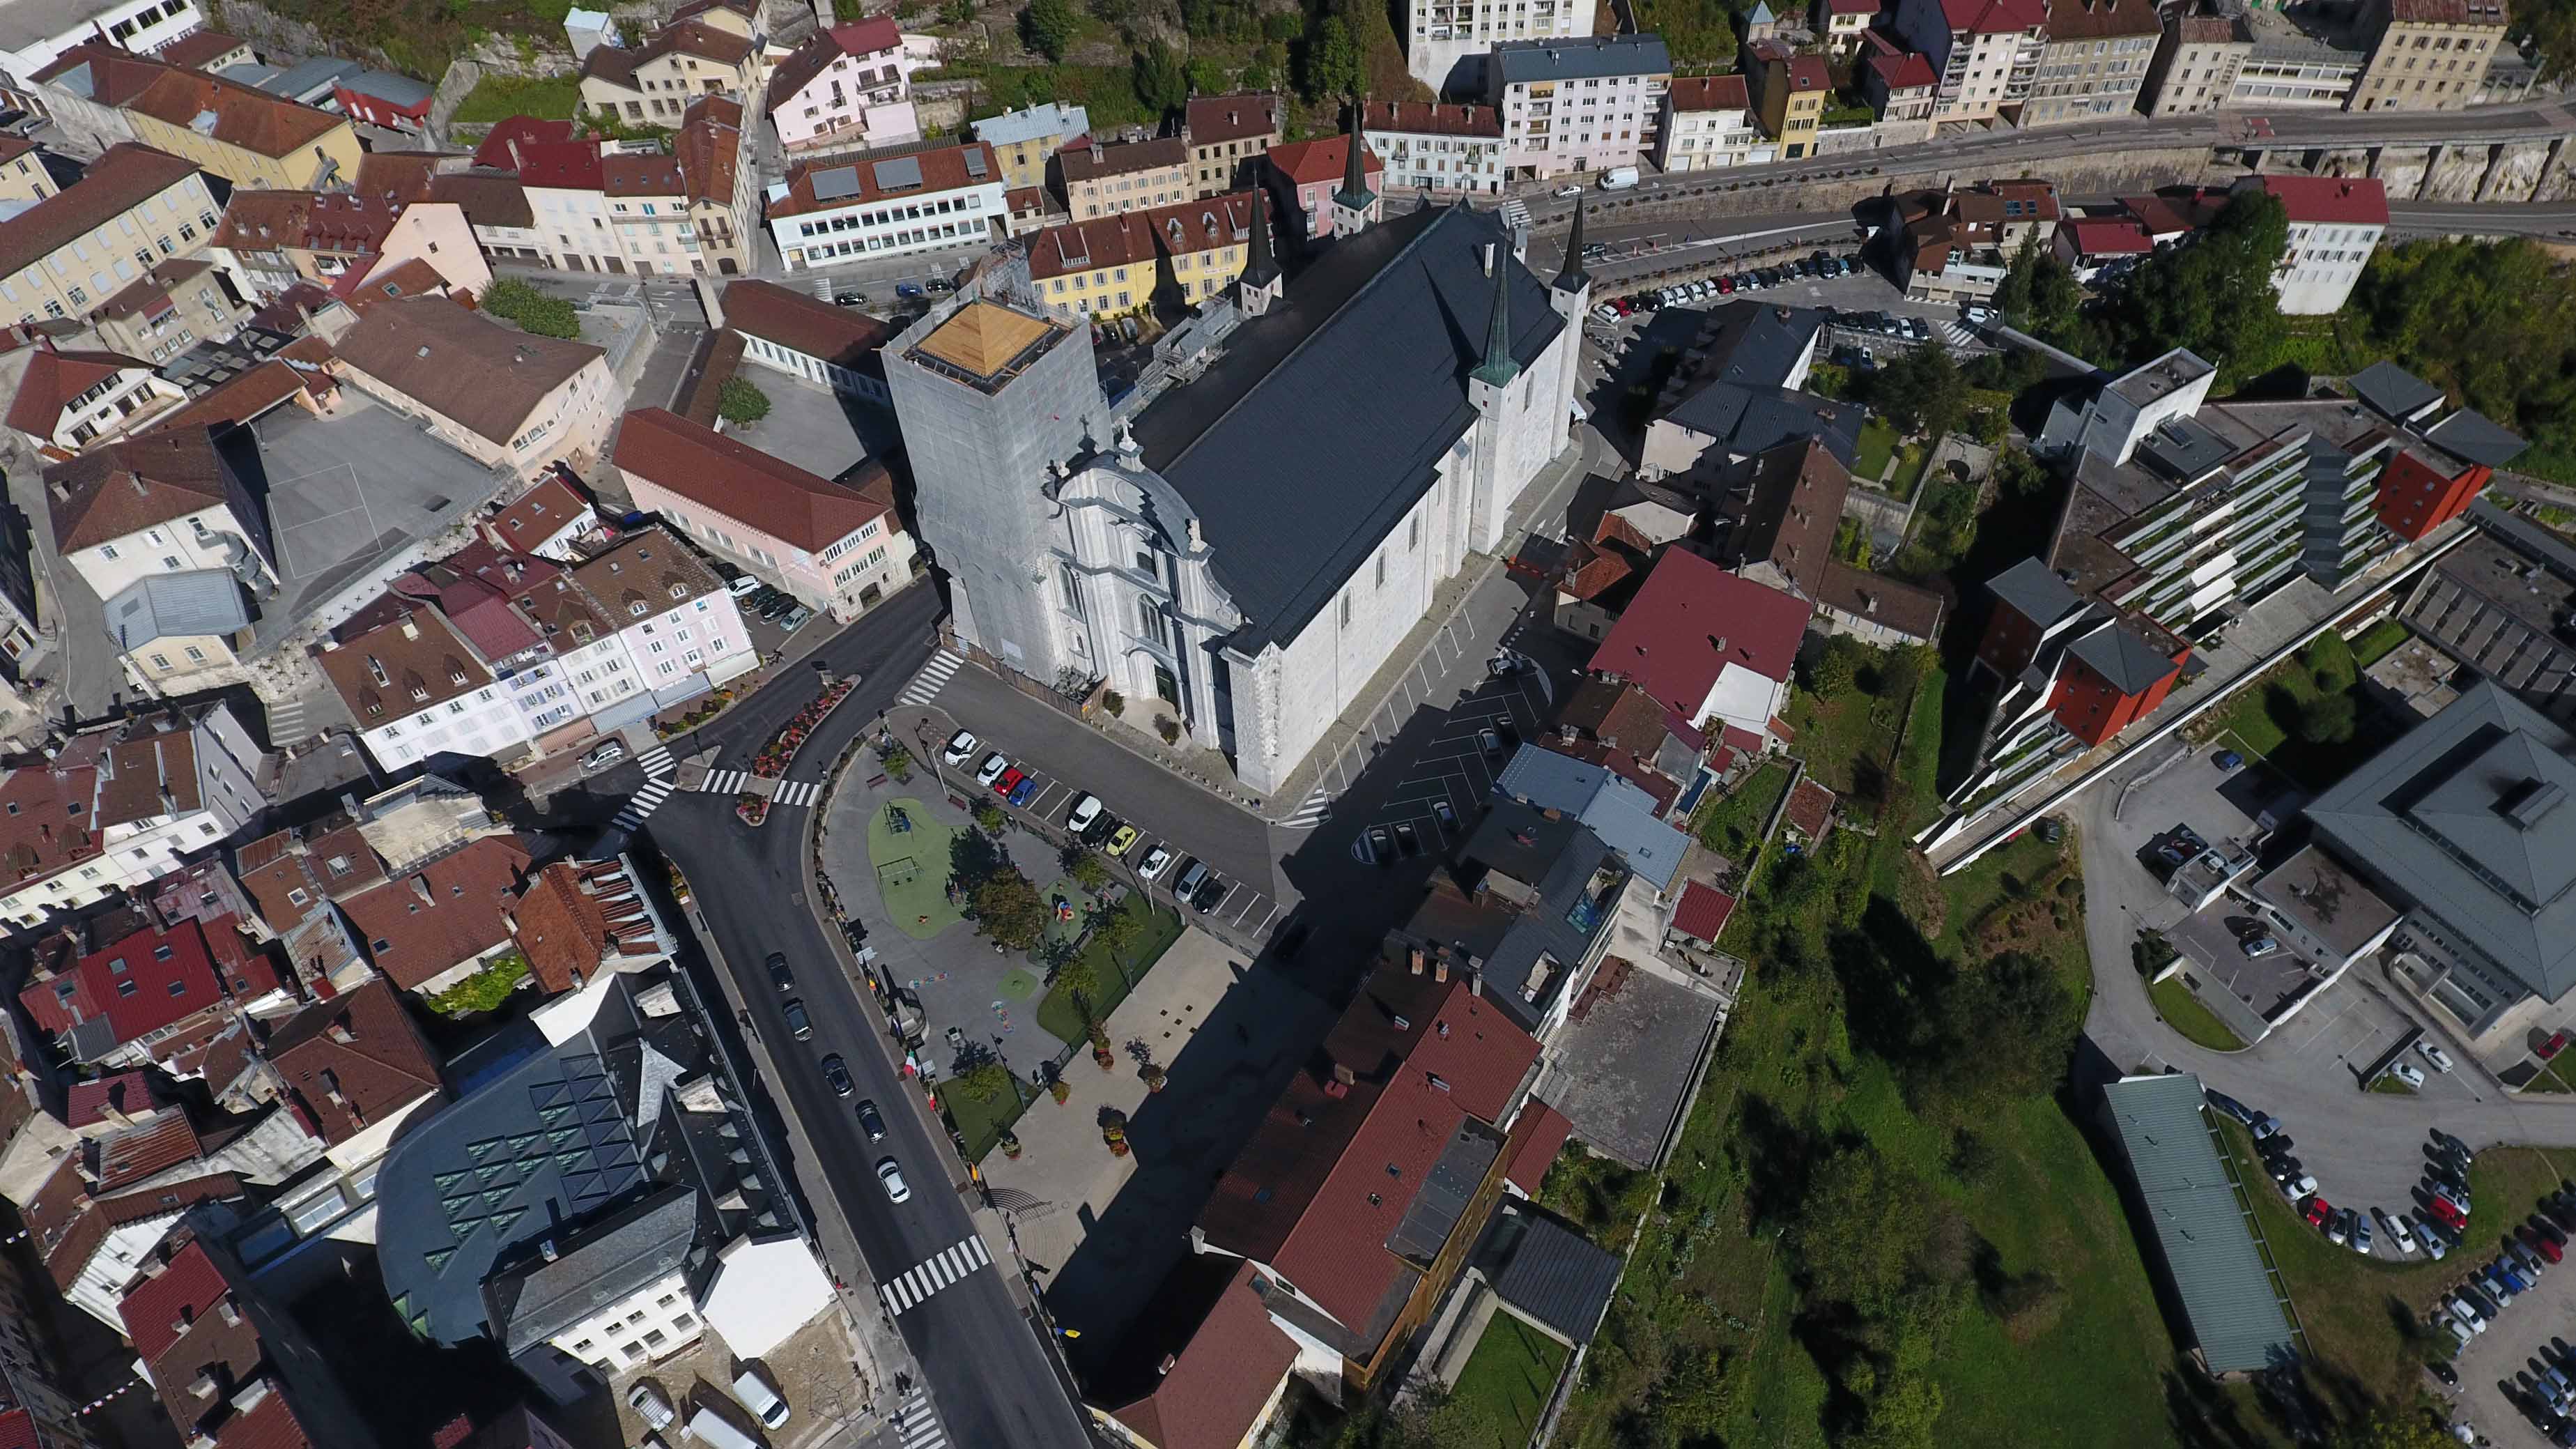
[
  {"x": 456, "y": 676},
  {"x": 680, "y": 592},
  {"x": 636, "y": 608}
]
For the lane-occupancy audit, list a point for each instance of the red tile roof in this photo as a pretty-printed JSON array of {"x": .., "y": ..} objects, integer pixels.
[
  {"x": 1809, "y": 73},
  {"x": 943, "y": 169},
  {"x": 53, "y": 378},
  {"x": 1994, "y": 17},
  {"x": 392, "y": 671},
  {"x": 1312, "y": 1194},
  {"x": 494, "y": 153},
  {"x": 1702, "y": 911},
  {"x": 147, "y": 981},
  {"x": 1709, "y": 93},
  {"x": 87, "y": 1103},
  {"x": 802, "y": 322},
  {"x": 193, "y": 51},
  {"x": 2330, "y": 200},
  {"x": 560, "y": 927},
  {"x": 130, "y": 485},
  {"x": 541, "y": 513},
  {"x": 1538, "y": 1134},
  {"x": 1213, "y": 120},
  {"x": 1307, "y": 162},
  {"x": 1122, "y": 240},
  {"x": 1218, "y": 1384},
  {"x": 1904, "y": 72},
  {"x": 1692, "y": 619},
  {"x": 1426, "y": 118},
  {"x": 446, "y": 913},
  {"x": 124, "y": 178},
  {"x": 159, "y": 1308},
  {"x": 1810, "y": 809},
  {"x": 353, "y": 1060},
  {"x": 135, "y": 1155},
  {"x": 2100, "y": 236},
  {"x": 2448, "y": 12},
  {"x": 743, "y": 483},
  {"x": 560, "y": 165}
]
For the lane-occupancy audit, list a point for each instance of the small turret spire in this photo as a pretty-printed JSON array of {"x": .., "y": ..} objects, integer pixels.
[
  {"x": 1499, "y": 367},
  {"x": 1355, "y": 194},
  {"x": 1262, "y": 268},
  {"x": 1571, "y": 277}
]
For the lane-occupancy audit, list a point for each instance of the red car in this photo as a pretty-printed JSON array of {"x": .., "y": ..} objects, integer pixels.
[
  {"x": 2538, "y": 1242},
  {"x": 2449, "y": 1212},
  {"x": 2557, "y": 1042},
  {"x": 1010, "y": 781},
  {"x": 2320, "y": 1212}
]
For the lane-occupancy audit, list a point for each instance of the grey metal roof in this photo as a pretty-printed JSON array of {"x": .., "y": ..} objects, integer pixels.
[
  {"x": 1325, "y": 419},
  {"x": 2034, "y": 591},
  {"x": 613, "y": 1259},
  {"x": 1581, "y": 58},
  {"x": 2393, "y": 392},
  {"x": 250, "y": 73},
  {"x": 1445, "y": 1192},
  {"x": 2480, "y": 439},
  {"x": 900, "y": 174},
  {"x": 1615, "y": 809},
  {"x": 1750, "y": 420},
  {"x": 2122, "y": 656},
  {"x": 187, "y": 605},
  {"x": 2201, "y": 1222},
  {"x": 1560, "y": 859},
  {"x": 1545, "y": 1270},
  {"x": 2470, "y": 817},
  {"x": 312, "y": 78},
  {"x": 1757, "y": 344},
  {"x": 1035, "y": 123},
  {"x": 2526, "y": 537}
]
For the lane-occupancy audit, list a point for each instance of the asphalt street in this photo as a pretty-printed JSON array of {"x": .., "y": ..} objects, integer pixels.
[{"x": 987, "y": 1368}]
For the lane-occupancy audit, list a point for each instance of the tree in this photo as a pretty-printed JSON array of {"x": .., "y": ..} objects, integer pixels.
[
  {"x": 2018, "y": 475},
  {"x": 1837, "y": 666},
  {"x": 741, "y": 403},
  {"x": 2396, "y": 1427},
  {"x": 2330, "y": 663},
  {"x": 989, "y": 817},
  {"x": 2005, "y": 1030},
  {"x": 2213, "y": 295},
  {"x": 1162, "y": 79},
  {"x": 1922, "y": 391},
  {"x": 985, "y": 1081},
  {"x": 2012, "y": 295},
  {"x": 898, "y": 763},
  {"x": 1116, "y": 931},
  {"x": 1050, "y": 27},
  {"x": 1088, "y": 872},
  {"x": 515, "y": 301},
  {"x": 1332, "y": 61},
  {"x": 1009, "y": 911},
  {"x": 1077, "y": 979},
  {"x": 2328, "y": 720},
  {"x": 1851, "y": 1248}
]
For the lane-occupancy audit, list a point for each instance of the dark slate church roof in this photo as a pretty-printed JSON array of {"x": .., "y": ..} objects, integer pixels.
[{"x": 1324, "y": 421}]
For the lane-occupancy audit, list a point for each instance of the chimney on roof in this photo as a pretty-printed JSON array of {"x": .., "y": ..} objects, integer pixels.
[
  {"x": 1170, "y": 1362},
  {"x": 411, "y": 629},
  {"x": 62, "y": 491}
]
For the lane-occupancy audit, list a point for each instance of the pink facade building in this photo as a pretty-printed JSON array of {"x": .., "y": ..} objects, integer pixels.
[
  {"x": 1307, "y": 173},
  {"x": 848, "y": 86}
]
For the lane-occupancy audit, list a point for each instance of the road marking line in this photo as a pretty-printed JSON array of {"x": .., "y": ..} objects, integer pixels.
[
  {"x": 1227, "y": 897},
  {"x": 1266, "y": 918},
  {"x": 1247, "y": 907}
]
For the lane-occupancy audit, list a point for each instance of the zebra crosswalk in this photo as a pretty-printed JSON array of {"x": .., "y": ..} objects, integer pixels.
[
  {"x": 734, "y": 782},
  {"x": 933, "y": 678},
  {"x": 933, "y": 1273},
  {"x": 798, "y": 792},
  {"x": 917, "y": 1423},
  {"x": 657, "y": 761},
  {"x": 1312, "y": 813},
  {"x": 640, "y": 807},
  {"x": 725, "y": 782},
  {"x": 288, "y": 723}
]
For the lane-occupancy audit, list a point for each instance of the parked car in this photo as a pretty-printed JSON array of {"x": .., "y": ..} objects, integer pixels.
[
  {"x": 1009, "y": 780},
  {"x": 1120, "y": 840},
  {"x": 1024, "y": 791},
  {"x": 2466, "y": 1312},
  {"x": 2338, "y": 1226},
  {"x": 650, "y": 1405},
  {"x": 1191, "y": 879},
  {"x": 799, "y": 1025},
  {"x": 991, "y": 770},
  {"x": 797, "y": 618},
  {"x": 890, "y": 1173},
  {"x": 1448, "y": 818},
  {"x": 1157, "y": 860},
  {"x": 1489, "y": 741},
  {"x": 2443, "y": 1372},
  {"x": 961, "y": 748},
  {"x": 2434, "y": 1246},
  {"x": 2405, "y": 1072},
  {"x": 2440, "y": 1059},
  {"x": 2557, "y": 1043},
  {"x": 2458, "y": 1330},
  {"x": 2258, "y": 947},
  {"x": 2398, "y": 1233},
  {"x": 608, "y": 753},
  {"x": 836, "y": 1075},
  {"x": 2360, "y": 1228},
  {"x": 869, "y": 1122},
  {"x": 2540, "y": 1223},
  {"x": 1086, "y": 813},
  {"x": 779, "y": 975},
  {"x": 760, "y": 1396},
  {"x": 1979, "y": 314},
  {"x": 1210, "y": 894},
  {"x": 2265, "y": 1125},
  {"x": 849, "y": 299},
  {"x": 909, "y": 289},
  {"x": 2319, "y": 1212}
]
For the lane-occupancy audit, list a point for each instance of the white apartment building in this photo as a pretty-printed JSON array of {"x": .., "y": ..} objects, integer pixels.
[
  {"x": 1986, "y": 52},
  {"x": 677, "y": 622},
  {"x": 416, "y": 688},
  {"x": 167, "y": 503},
  {"x": 2335, "y": 224},
  {"x": 31, "y": 36},
  {"x": 1578, "y": 105},
  {"x": 1426, "y": 147},
  {"x": 1440, "y": 34},
  {"x": 935, "y": 199},
  {"x": 117, "y": 807},
  {"x": 69, "y": 398},
  {"x": 1708, "y": 125}
]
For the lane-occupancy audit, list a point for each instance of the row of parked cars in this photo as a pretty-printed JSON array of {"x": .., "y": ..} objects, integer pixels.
[
  {"x": 2544, "y": 1388},
  {"x": 1819, "y": 265},
  {"x": 2434, "y": 1230},
  {"x": 778, "y": 606},
  {"x": 1090, "y": 823}
]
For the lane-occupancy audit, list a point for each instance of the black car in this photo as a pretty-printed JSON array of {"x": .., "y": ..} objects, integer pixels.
[
  {"x": 869, "y": 1121},
  {"x": 836, "y": 1075},
  {"x": 2443, "y": 1371},
  {"x": 1211, "y": 894},
  {"x": 779, "y": 975},
  {"x": 1101, "y": 828},
  {"x": 799, "y": 1025},
  {"x": 849, "y": 299}
]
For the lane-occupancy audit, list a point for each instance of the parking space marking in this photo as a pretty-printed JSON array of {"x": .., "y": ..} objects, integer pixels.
[
  {"x": 1247, "y": 906},
  {"x": 1229, "y": 896},
  {"x": 1266, "y": 917},
  {"x": 1043, "y": 807}
]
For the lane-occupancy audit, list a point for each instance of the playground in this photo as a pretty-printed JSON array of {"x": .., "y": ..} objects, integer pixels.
[{"x": 908, "y": 848}]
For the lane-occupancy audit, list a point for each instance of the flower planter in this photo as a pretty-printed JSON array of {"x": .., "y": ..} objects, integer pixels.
[
  {"x": 773, "y": 758},
  {"x": 1059, "y": 1091},
  {"x": 1106, "y": 1061},
  {"x": 751, "y": 810}
]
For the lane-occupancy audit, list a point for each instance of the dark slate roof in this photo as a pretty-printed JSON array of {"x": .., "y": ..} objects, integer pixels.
[
  {"x": 1557, "y": 856},
  {"x": 1749, "y": 420},
  {"x": 2123, "y": 656},
  {"x": 1545, "y": 1270},
  {"x": 1445, "y": 1193},
  {"x": 2034, "y": 591},
  {"x": 615, "y": 1258},
  {"x": 2480, "y": 439},
  {"x": 1581, "y": 58},
  {"x": 1322, "y": 423},
  {"x": 1757, "y": 344},
  {"x": 2459, "y": 818},
  {"x": 2393, "y": 392}
]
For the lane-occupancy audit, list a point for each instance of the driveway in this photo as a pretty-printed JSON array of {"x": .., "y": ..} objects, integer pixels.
[{"x": 2533, "y": 1329}]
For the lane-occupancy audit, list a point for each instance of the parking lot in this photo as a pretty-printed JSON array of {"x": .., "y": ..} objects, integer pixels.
[
  {"x": 1446, "y": 784},
  {"x": 2531, "y": 1333}
]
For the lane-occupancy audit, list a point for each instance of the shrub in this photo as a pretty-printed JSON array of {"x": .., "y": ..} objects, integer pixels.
[
  {"x": 740, "y": 403},
  {"x": 985, "y": 1082},
  {"x": 1114, "y": 702},
  {"x": 1169, "y": 728},
  {"x": 2328, "y": 721},
  {"x": 989, "y": 818},
  {"x": 534, "y": 311}
]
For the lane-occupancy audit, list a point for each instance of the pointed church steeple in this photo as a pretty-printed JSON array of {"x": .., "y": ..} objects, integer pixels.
[
  {"x": 1571, "y": 277},
  {"x": 1355, "y": 206},
  {"x": 1261, "y": 275},
  {"x": 1499, "y": 367}
]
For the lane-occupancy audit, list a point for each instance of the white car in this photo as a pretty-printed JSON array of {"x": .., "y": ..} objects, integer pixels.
[
  {"x": 1567, "y": 191},
  {"x": 1157, "y": 861},
  {"x": 1606, "y": 313},
  {"x": 1085, "y": 811},
  {"x": 606, "y": 755},
  {"x": 2440, "y": 1059},
  {"x": 2298, "y": 1187},
  {"x": 991, "y": 770},
  {"x": 2406, "y": 1072},
  {"x": 2398, "y": 1232},
  {"x": 961, "y": 748},
  {"x": 890, "y": 1173}
]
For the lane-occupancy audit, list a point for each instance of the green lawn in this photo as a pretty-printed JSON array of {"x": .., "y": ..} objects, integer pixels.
[
  {"x": 2548, "y": 1079},
  {"x": 1910, "y": 462},
  {"x": 1066, "y": 890},
  {"x": 981, "y": 1123},
  {"x": 2377, "y": 642},
  {"x": 1878, "y": 440},
  {"x": 499, "y": 97},
  {"x": 912, "y": 868},
  {"x": 2182, "y": 1010},
  {"x": 1505, "y": 1386},
  {"x": 1731, "y": 823},
  {"x": 2263, "y": 719},
  {"x": 1062, "y": 1018}
]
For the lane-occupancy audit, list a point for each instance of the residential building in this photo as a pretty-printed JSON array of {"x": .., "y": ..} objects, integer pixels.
[
  {"x": 2335, "y": 224},
  {"x": 1956, "y": 245},
  {"x": 1108, "y": 177},
  {"x": 356, "y": 1068},
  {"x": 65, "y": 256},
  {"x": 1790, "y": 93},
  {"x": 1023, "y": 141},
  {"x": 1203, "y": 1365},
  {"x": 22, "y": 171},
  {"x": 2198, "y": 58},
  {"x": 1900, "y": 84},
  {"x": 60, "y": 400},
  {"x": 1188, "y": 252},
  {"x": 246, "y": 136},
  {"x": 837, "y": 549},
  {"x": 208, "y": 50},
  {"x": 673, "y": 617},
  {"x": 153, "y": 996},
  {"x": 1228, "y": 135},
  {"x": 2299, "y": 58},
  {"x": 119, "y": 805},
  {"x": 1578, "y": 105},
  {"x": 508, "y": 399},
  {"x": 1780, "y": 510},
  {"x": 172, "y": 307},
  {"x": 36, "y": 1409},
  {"x": 577, "y": 918},
  {"x": 1282, "y": 558},
  {"x": 938, "y": 198},
  {"x": 1713, "y": 649},
  {"x": 1708, "y": 125},
  {"x": 171, "y": 502},
  {"x": 1426, "y": 1076},
  {"x": 547, "y": 521},
  {"x": 1446, "y": 40},
  {"x": 2427, "y": 55},
  {"x": 612, "y": 206},
  {"x": 233, "y": 1371},
  {"x": 655, "y": 83},
  {"x": 1842, "y": 23},
  {"x": 845, "y": 87},
  {"x": 2095, "y": 62},
  {"x": 1986, "y": 52},
  {"x": 495, "y": 207},
  {"x": 1448, "y": 150},
  {"x": 2090, "y": 245},
  {"x": 271, "y": 240},
  {"x": 806, "y": 338},
  {"x": 1303, "y": 177},
  {"x": 1205, "y": 243},
  {"x": 34, "y": 37},
  {"x": 432, "y": 926},
  {"x": 416, "y": 688},
  {"x": 383, "y": 99},
  {"x": 1738, "y": 392}
]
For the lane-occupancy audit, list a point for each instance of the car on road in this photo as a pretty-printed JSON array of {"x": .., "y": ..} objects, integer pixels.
[
  {"x": 836, "y": 1075},
  {"x": 2405, "y": 1072},
  {"x": 1979, "y": 314},
  {"x": 1157, "y": 861},
  {"x": 1010, "y": 780},
  {"x": 991, "y": 770},
  {"x": 2440, "y": 1059},
  {"x": 1565, "y": 191},
  {"x": 909, "y": 289},
  {"x": 849, "y": 299},
  {"x": 1086, "y": 813},
  {"x": 2258, "y": 947},
  {"x": 779, "y": 975},
  {"x": 869, "y": 1121},
  {"x": 1120, "y": 839},
  {"x": 609, "y": 753},
  {"x": 961, "y": 748},
  {"x": 799, "y": 1025},
  {"x": 890, "y": 1172},
  {"x": 1023, "y": 791}
]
